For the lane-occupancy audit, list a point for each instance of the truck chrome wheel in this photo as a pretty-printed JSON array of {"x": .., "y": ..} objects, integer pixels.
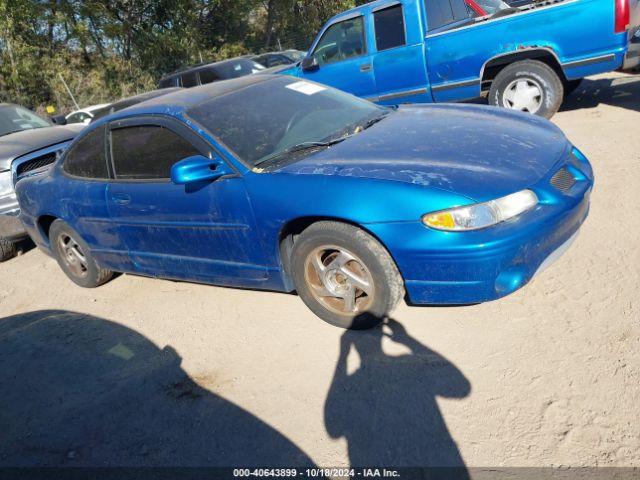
[
  {"x": 339, "y": 280},
  {"x": 523, "y": 94},
  {"x": 72, "y": 256}
]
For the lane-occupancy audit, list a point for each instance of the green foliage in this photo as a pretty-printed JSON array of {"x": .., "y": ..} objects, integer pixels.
[{"x": 108, "y": 49}]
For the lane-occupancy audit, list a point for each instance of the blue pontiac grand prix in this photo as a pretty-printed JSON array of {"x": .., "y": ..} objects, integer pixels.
[{"x": 277, "y": 183}]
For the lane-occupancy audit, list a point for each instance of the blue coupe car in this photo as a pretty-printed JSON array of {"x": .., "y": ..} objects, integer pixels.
[{"x": 270, "y": 182}]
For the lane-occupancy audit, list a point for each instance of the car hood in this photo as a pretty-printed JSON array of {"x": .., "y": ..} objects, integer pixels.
[
  {"x": 480, "y": 152},
  {"x": 21, "y": 143}
]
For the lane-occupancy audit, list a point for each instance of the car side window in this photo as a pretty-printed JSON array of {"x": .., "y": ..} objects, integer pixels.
[
  {"x": 389, "y": 26},
  {"x": 342, "y": 41},
  {"x": 190, "y": 80},
  {"x": 208, "y": 75},
  {"x": 147, "y": 152},
  {"x": 444, "y": 12},
  {"x": 87, "y": 157}
]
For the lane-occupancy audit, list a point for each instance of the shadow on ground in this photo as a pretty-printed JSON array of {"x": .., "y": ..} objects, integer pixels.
[
  {"x": 387, "y": 410},
  {"x": 623, "y": 92},
  {"x": 82, "y": 391}
]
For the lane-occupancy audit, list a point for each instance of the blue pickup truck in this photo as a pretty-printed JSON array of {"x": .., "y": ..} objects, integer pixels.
[{"x": 422, "y": 51}]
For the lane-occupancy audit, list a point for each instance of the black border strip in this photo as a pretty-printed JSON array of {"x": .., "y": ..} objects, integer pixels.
[
  {"x": 590, "y": 61},
  {"x": 451, "y": 86}
]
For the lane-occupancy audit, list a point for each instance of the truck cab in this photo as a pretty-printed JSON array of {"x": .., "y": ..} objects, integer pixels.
[{"x": 421, "y": 51}]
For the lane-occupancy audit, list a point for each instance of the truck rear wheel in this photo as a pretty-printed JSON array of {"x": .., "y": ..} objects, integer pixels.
[{"x": 528, "y": 86}]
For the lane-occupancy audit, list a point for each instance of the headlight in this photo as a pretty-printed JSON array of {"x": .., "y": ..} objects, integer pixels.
[
  {"x": 482, "y": 215},
  {"x": 6, "y": 183}
]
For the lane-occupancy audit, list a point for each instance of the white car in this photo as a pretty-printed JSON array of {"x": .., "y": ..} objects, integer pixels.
[{"x": 84, "y": 115}]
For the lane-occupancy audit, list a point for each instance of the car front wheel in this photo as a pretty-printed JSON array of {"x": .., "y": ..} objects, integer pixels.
[
  {"x": 75, "y": 258},
  {"x": 528, "y": 86},
  {"x": 345, "y": 276}
]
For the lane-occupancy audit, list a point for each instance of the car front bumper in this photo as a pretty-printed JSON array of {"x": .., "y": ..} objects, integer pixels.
[{"x": 462, "y": 268}]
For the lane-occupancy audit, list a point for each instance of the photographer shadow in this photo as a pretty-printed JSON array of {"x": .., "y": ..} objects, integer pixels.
[
  {"x": 81, "y": 391},
  {"x": 387, "y": 408}
]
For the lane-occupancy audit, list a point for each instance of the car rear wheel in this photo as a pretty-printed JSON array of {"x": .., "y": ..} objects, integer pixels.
[
  {"x": 75, "y": 258},
  {"x": 8, "y": 249},
  {"x": 345, "y": 276},
  {"x": 528, "y": 86}
]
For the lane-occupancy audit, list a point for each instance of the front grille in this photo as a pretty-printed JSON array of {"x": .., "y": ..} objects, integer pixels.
[
  {"x": 563, "y": 180},
  {"x": 35, "y": 163}
]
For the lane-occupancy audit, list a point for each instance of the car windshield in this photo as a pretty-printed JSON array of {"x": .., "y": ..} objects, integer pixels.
[
  {"x": 282, "y": 115},
  {"x": 237, "y": 68},
  {"x": 295, "y": 55},
  {"x": 16, "y": 119}
]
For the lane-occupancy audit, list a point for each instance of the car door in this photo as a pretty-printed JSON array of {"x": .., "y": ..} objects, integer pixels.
[
  {"x": 344, "y": 59},
  {"x": 399, "y": 63},
  {"x": 200, "y": 233}
]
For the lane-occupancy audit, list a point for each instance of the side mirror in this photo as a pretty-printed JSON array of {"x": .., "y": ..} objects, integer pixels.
[
  {"x": 59, "y": 120},
  {"x": 198, "y": 168},
  {"x": 310, "y": 64}
]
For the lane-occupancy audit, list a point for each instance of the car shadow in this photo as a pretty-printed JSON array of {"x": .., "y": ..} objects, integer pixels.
[
  {"x": 387, "y": 408},
  {"x": 81, "y": 391},
  {"x": 623, "y": 92}
]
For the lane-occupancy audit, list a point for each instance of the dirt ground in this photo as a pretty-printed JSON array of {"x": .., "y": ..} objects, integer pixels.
[{"x": 151, "y": 372}]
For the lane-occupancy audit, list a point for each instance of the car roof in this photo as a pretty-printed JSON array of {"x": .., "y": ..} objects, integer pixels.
[
  {"x": 186, "y": 98},
  {"x": 126, "y": 103},
  {"x": 361, "y": 9},
  {"x": 200, "y": 66}
]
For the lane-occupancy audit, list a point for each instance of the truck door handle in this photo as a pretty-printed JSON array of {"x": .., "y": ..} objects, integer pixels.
[
  {"x": 365, "y": 67},
  {"x": 121, "y": 198}
]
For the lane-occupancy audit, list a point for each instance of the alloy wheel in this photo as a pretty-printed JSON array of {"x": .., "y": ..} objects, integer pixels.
[
  {"x": 73, "y": 256},
  {"x": 339, "y": 280}
]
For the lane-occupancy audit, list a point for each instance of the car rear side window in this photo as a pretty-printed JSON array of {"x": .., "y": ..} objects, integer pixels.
[
  {"x": 190, "y": 80},
  {"x": 147, "y": 152},
  {"x": 444, "y": 12},
  {"x": 389, "y": 25},
  {"x": 87, "y": 158},
  {"x": 208, "y": 75},
  {"x": 167, "y": 82}
]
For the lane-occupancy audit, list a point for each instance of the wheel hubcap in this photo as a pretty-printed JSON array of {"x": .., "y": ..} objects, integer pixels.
[
  {"x": 339, "y": 280},
  {"x": 523, "y": 94},
  {"x": 73, "y": 256}
]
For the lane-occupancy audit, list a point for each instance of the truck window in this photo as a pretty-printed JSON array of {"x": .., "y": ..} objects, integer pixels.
[
  {"x": 389, "y": 25},
  {"x": 341, "y": 41},
  {"x": 443, "y": 12}
]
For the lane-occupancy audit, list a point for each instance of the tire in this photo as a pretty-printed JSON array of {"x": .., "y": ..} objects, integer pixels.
[
  {"x": 571, "y": 86},
  {"x": 329, "y": 259},
  {"x": 8, "y": 249},
  {"x": 74, "y": 257},
  {"x": 515, "y": 87}
]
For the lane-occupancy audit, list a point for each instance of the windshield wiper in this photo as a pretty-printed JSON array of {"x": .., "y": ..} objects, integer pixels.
[
  {"x": 371, "y": 122},
  {"x": 300, "y": 147}
]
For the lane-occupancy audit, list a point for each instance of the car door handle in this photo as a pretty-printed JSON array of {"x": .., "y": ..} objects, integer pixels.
[
  {"x": 121, "y": 198},
  {"x": 366, "y": 67}
]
